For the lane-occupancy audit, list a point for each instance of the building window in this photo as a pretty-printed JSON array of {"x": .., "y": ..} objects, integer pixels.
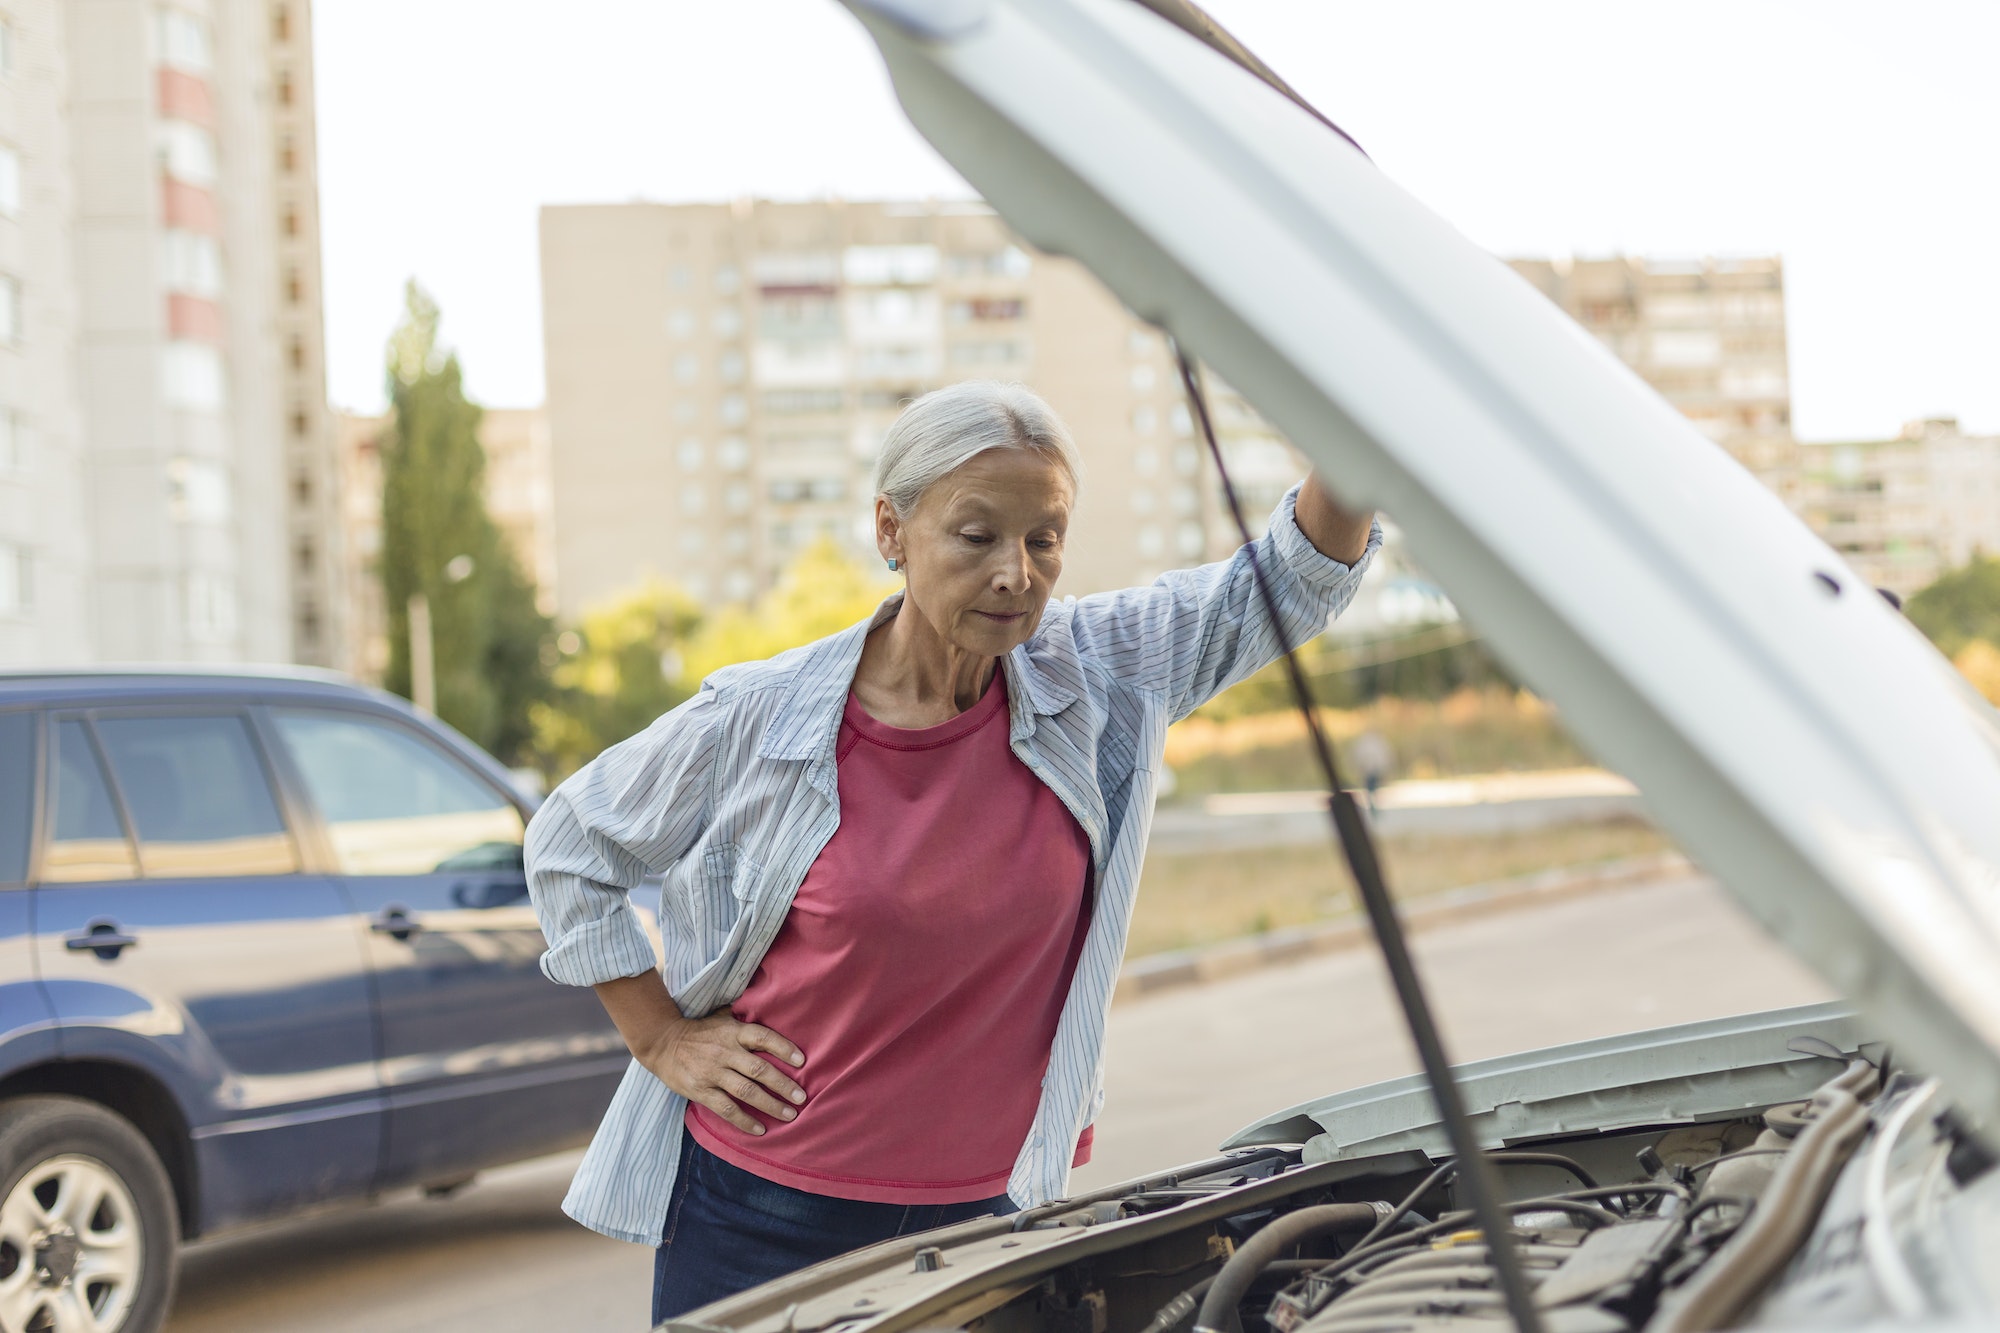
[
  {"x": 296, "y": 351},
  {"x": 687, "y": 367},
  {"x": 198, "y": 491},
  {"x": 191, "y": 375},
  {"x": 783, "y": 402},
  {"x": 16, "y": 582},
  {"x": 304, "y": 556},
  {"x": 691, "y": 455},
  {"x": 281, "y": 23},
  {"x": 191, "y": 262},
  {"x": 1142, "y": 378},
  {"x": 729, "y": 368},
  {"x": 985, "y": 311},
  {"x": 680, "y": 278},
  {"x": 288, "y": 155},
  {"x": 210, "y": 608},
  {"x": 733, "y": 411},
  {"x": 1190, "y": 540},
  {"x": 301, "y": 424},
  {"x": 284, "y": 87},
  {"x": 727, "y": 279},
  {"x": 733, "y": 454},
  {"x": 10, "y": 182},
  {"x": 10, "y": 309},
  {"x": 728, "y": 321},
  {"x": 290, "y": 220},
  {"x": 309, "y": 625},
  {"x": 187, "y": 152},
  {"x": 693, "y": 501},
  {"x": 302, "y": 489},
  {"x": 295, "y": 287},
  {"x": 736, "y": 496},
  {"x": 680, "y": 323},
  {"x": 181, "y": 40}
]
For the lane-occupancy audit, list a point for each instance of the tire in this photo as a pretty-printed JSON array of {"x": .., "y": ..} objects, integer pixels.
[{"x": 87, "y": 1221}]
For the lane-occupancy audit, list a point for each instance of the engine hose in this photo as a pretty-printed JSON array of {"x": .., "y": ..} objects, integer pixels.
[
  {"x": 1181, "y": 1306},
  {"x": 1725, "y": 1286},
  {"x": 1218, "y": 1307}
]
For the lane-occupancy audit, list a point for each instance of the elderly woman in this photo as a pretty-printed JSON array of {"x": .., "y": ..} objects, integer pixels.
[{"x": 899, "y": 866}]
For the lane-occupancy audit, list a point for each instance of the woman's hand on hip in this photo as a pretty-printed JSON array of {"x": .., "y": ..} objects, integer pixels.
[{"x": 713, "y": 1061}]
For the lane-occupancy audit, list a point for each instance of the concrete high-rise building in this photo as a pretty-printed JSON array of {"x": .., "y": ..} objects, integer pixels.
[
  {"x": 313, "y": 507},
  {"x": 1905, "y": 510},
  {"x": 1708, "y": 334},
  {"x": 161, "y": 408},
  {"x": 720, "y": 377},
  {"x": 516, "y": 443}
]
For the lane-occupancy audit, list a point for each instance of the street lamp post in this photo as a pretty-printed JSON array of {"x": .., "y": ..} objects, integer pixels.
[{"x": 423, "y": 657}]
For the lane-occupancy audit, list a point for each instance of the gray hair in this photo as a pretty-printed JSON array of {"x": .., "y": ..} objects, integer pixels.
[{"x": 947, "y": 427}]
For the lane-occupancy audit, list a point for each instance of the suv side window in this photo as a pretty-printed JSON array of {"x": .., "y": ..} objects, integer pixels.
[
  {"x": 87, "y": 840},
  {"x": 395, "y": 804},
  {"x": 17, "y": 794},
  {"x": 198, "y": 795}
]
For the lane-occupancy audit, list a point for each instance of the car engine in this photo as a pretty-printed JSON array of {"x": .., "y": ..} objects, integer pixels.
[{"x": 1720, "y": 1226}]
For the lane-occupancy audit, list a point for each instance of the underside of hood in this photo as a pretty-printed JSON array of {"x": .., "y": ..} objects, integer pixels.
[{"x": 1792, "y": 731}]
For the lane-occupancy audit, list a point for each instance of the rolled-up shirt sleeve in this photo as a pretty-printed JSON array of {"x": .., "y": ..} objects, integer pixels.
[
  {"x": 1193, "y": 633},
  {"x": 630, "y": 813}
]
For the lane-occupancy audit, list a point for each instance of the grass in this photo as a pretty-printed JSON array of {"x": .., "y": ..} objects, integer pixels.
[
  {"x": 1472, "y": 731},
  {"x": 1194, "y": 898}
]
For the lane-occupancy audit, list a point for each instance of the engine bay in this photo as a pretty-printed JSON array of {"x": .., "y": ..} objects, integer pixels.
[{"x": 1809, "y": 1212}]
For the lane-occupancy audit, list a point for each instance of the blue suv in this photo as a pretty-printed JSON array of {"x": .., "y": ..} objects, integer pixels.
[{"x": 265, "y": 942}]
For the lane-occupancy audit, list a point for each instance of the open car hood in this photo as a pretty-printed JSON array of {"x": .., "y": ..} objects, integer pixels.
[{"x": 1794, "y": 733}]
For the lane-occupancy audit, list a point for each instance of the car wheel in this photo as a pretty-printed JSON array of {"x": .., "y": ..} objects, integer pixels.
[{"x": 87, "y": 1225}]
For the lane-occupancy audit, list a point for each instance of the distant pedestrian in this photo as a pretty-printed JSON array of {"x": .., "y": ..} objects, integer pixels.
[
  {"x": 1373, "y": 759},
  {"x": 899, "y": 866}
]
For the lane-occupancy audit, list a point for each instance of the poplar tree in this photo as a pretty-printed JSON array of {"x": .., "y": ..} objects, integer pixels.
[{"x": 490, "y": 644}]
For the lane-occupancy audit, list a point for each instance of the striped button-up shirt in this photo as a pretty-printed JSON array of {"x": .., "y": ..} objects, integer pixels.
[{"x": 731, "y": 796}]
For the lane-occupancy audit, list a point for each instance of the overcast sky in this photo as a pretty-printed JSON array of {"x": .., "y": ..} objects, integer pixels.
[{"x": 1856, "y": 140}]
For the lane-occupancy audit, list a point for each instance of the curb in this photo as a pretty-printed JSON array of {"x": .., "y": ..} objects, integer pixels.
[{"x": 1158, "y": 972}]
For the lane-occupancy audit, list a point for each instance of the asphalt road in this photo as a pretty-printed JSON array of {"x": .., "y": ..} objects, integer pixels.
[{"x": 1186, "y": 1068}]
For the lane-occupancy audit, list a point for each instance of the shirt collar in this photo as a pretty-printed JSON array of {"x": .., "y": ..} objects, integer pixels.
[{"x": 807, "y": 725}]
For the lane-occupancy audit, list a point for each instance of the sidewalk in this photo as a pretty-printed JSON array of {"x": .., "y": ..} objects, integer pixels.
[
  {"x": 1483, "y": 803},
  {"x": 1192, "y": 967}
]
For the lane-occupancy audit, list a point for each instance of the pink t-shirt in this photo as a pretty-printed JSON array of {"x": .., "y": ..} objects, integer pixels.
[{"x": 922, "y": 969}]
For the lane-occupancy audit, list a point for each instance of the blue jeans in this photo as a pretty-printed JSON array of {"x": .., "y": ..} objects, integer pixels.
[{"x": 728, "y": 1231}]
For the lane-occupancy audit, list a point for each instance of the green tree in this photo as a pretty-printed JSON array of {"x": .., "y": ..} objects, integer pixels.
[
  {"x": 622, "y": 671},
  {"x": 1961, "y": 606},
  {"x": 820, "y": 593},
  {"x": 490, "y": 643}
]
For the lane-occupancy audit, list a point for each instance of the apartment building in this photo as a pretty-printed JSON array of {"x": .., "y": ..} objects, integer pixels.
[
  {"x": 720, "y": 377},
  {"x": 159, "y": 381},
  {"x": 318, "y": 564},
  {"x": 1905, "y": 510},
  {"x": 518, "y": 495},
  {"x": 1708, "y": 334}
]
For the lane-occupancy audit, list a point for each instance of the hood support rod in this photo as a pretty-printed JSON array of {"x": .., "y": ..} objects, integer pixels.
[{"x": 1350, "y": 830}]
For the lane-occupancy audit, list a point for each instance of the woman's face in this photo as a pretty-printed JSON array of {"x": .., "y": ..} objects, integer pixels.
[{"x": 982, "y": 548}]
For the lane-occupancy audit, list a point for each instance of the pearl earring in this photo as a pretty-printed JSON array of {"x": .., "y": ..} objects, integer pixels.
[{"x": 892, "y": 566}]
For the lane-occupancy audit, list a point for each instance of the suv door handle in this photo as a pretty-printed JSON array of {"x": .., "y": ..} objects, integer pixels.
[
  {"x": 395, "y": 921},
  {"x": 101, "y": 937}
]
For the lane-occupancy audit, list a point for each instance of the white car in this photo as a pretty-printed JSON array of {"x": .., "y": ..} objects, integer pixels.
[{"x": 1827, "y": 1167}]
